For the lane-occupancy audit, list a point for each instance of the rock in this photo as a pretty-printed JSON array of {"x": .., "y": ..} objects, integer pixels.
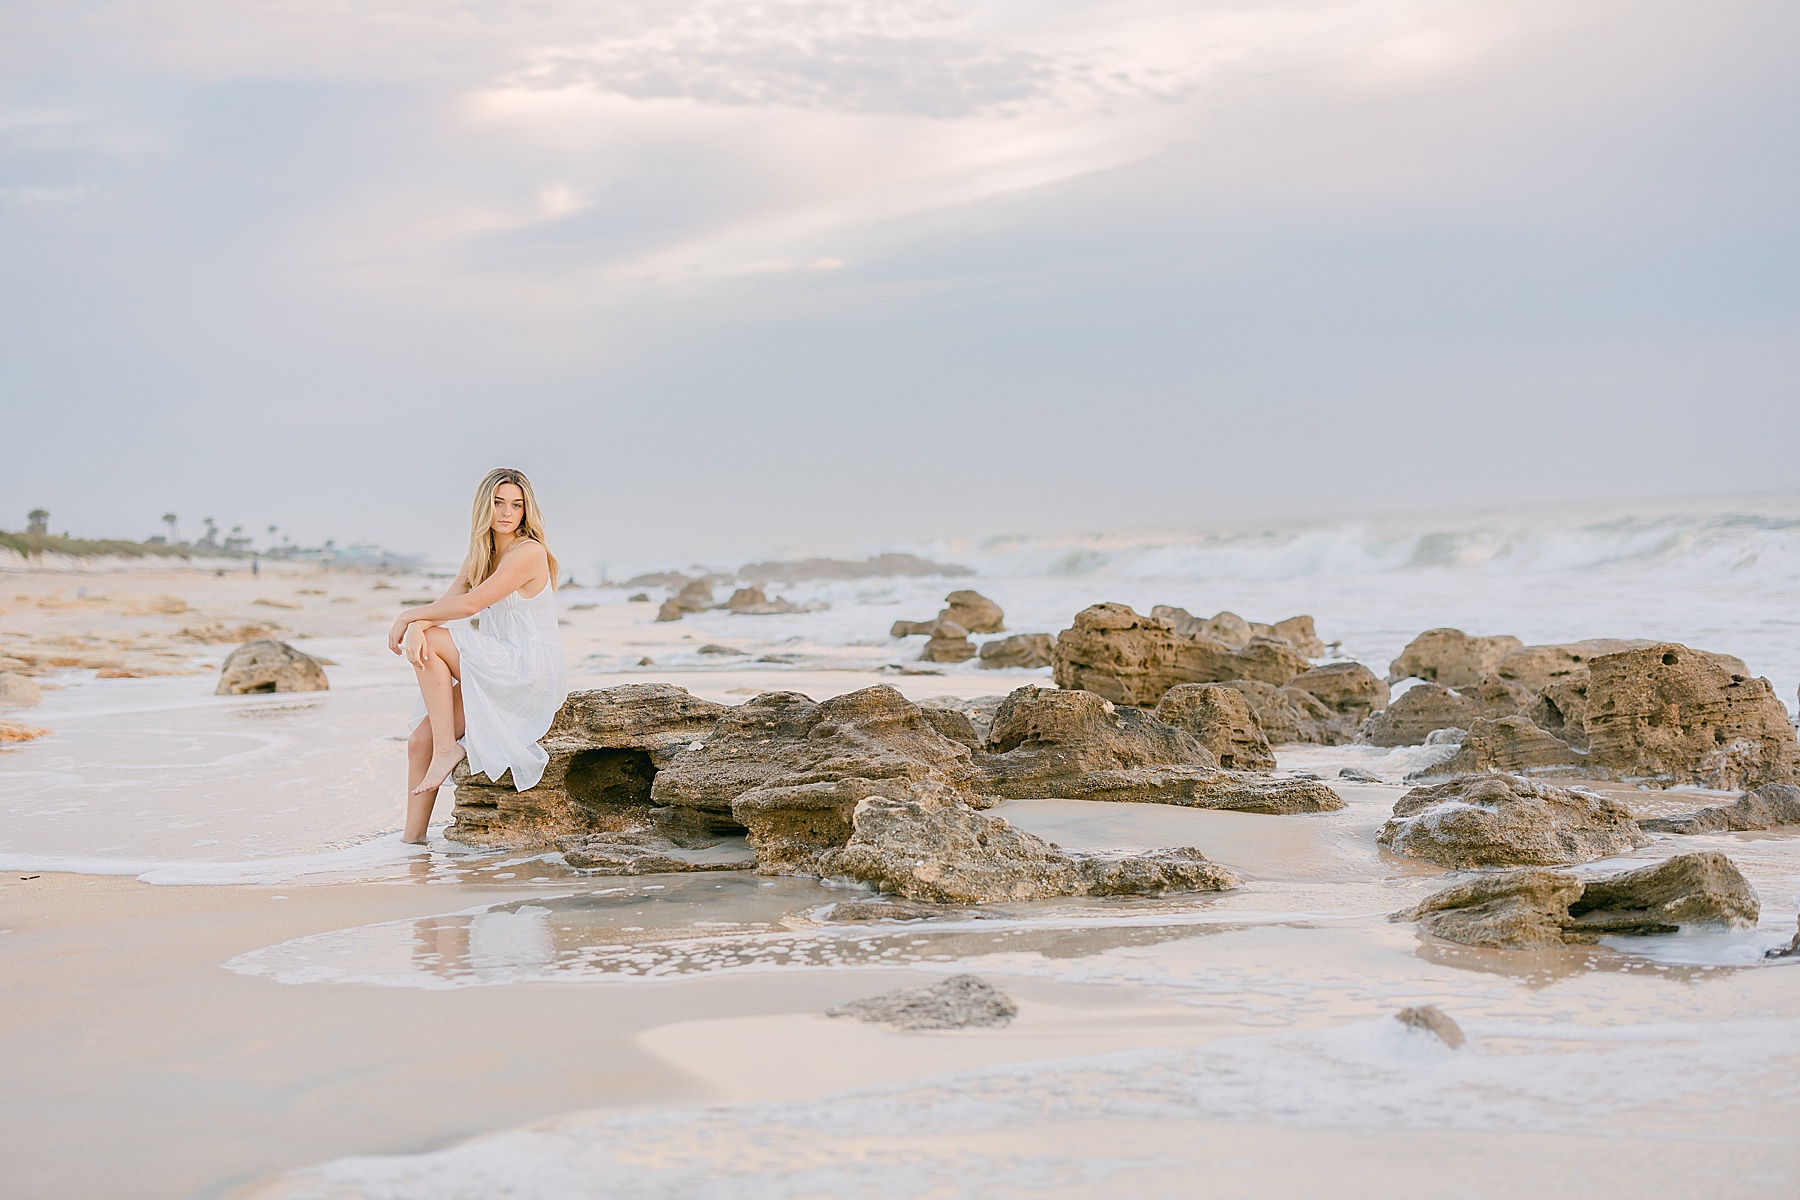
[
  {"x": 1769, "y": 806},
  {"x": 1791, "y": 950},
  {"x": 1451, "y": 657},
  {"x": 1129, "y": 659},
  {"x": 638, "y": 598},
  {"x": 1537, "y": 667},
  {"x": 1508, "y": 820},
  {"x": 1431, "y": 1019},
  {"x": 974, "y": 612},
  {"x": 606, "y": 749},
  {"x": 751, "y": 602},
  {"x": 1236, "y": 632},
  {"x": 1347, "y": 688},
  {"x": 1358, "y": 775},
  {"x": 978, "y": 711},
  {"x": 925, "y": 846},
  {"x": 859, "y": 912},
  {"x": 1689, "y": 889},
  {"x": 1070, "y": 744},
  {"x": 19, "y": 691},
  {"x": 1300, "y": 633},
  {"x": 791, "y": 771},
  {"x": 1420, "y": 710},
  {"x": 1533, "y": 907},
  {"x": 949, "y": 643},
  {"x": 270, "y": 666},
  {"x": 1523, "y": 909},
  {"x": 1511, "y": 744},
  {"x": 694, "y": 596},
  {"x": 1019, "y": 650},
  {"x": 1220, "y": 719},
  {"x": 18, "y": 731},
  {"x": 1289, "y": 715},
  {"x": 637, "y": 854},
  {"x": 959, "y": 1002},
  {"x": 902, "y": 629},
  {"x": 1669, "y": 713},
  {"x": 716, "y": 650}
]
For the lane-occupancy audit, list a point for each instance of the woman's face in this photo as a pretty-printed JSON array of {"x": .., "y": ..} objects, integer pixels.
[{"x": 509, "y": 508}]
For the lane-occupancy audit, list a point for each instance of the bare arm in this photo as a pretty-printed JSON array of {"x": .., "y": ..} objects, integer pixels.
[{"x": 522, "y": 563}]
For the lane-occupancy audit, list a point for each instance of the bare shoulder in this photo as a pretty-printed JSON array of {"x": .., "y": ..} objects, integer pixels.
[{"x": 528, "y": 551}]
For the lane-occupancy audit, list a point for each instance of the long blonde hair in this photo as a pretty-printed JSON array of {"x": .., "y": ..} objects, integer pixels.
[{"x": 483, "y": 557}]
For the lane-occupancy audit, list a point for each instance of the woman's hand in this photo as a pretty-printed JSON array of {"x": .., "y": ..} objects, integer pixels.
[
  {"x": 397, "y": 631},
  {"x": 418, "y": 648}
]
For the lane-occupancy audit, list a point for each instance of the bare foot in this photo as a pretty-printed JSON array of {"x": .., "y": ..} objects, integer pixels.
[
  {"x": 412, "y": 842},
  {"x": 439, "y": 770}
]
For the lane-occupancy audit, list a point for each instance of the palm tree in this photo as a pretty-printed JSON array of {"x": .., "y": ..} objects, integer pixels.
[
  {"x": 169, "y": 519},
  {"x": 39, "y": 522}
]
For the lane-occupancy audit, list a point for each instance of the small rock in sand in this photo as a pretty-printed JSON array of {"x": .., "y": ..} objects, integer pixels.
[
  {"x": 1431, "y": 1019},
  {"x": 1019, "y": 650},
  {"x": 18, "y": 691},
  {"x": 695, "y": 596},
  {"x": 1358, "y": 775},
  {"x": 715, "y": 648},
  {"x": 949, "y": 643},
  {"x": 959, "y": 1002},
  {"x": 15, "y": 731},
  {"x": 270, "y": 666}
]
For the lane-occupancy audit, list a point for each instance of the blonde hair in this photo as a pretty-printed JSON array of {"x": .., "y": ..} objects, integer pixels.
[{"x": 483, "y": 557}]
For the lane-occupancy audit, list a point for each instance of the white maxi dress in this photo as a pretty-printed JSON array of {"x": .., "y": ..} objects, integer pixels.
[{"x": 512, "y": 685}]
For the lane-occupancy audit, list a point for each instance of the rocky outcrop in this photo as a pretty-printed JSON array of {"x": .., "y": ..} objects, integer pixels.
[
  {"x": 19, "y": 691},
  {"x": 1768, "y": 807},
  {"x": 1511, "y": 744},
  {"x": 1537, "y": 667},
  {"x": 270, "y": 666},
  {"x": 1347, "y": 688},
  {"x": 640, "y": 854},
  {"x": 791, "y": 771},
  {"x": 1236, "y": 632},
  {"x": 1220, "y": 719},
  {"x": 1534, "y": 908},
  {"x": 949, "y": 643},
  {"x": 1019, "y": 650},
  {"x": 1421, "y": 710},
  {"x": 959, "y": 1002},
  {"x": 1288, "y": 715},
  {"x": 924, "y": 845},
  {"x": 751, "y": 602},
  {"x": 1072, "y": 745},
  {"x": 1508, "y": 820},
  {"x": 1127, "y": 658},
  {"x": 972, "y": 611},
  {"x": 694, "y": 596},
  {"x": 606, "y": 748},
  {"x": 974, "y": 716},
  {"x": 1451, "y": 657}
]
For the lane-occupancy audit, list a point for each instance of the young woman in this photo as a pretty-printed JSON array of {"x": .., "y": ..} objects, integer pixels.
[{"x": 486, "y": 693}]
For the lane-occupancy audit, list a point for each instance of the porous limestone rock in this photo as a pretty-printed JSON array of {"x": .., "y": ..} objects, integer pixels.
[
  {"x": 1451, "y": 657},
  {"x": 1533, "y": 907},
  {"x": 1287, "y": 714},
  {"x": 639, "y": 854},
  {"x": 1298, "y": 632},
  {"x": 1511, "y": 744},
  {"x": 1347, "y": 688},
  {"x": 695, "y": 596},
  {"x": 790, "y": 770},
  {"x": 606, "y": 748},
  {"x": 978, "y": 711},
  {"x": 1768, "y": 807},
  {"x": 1127, "y": 658},
  {"x": 1220, "y": 719},
  {"x": 1019, "y": 650},
  {"x": 1070, "y": 744},
  {"x": 924, "y": 845},
  {"x": 1236, "y": 632},
  {"x": 1420, "y": 711},
  {"x": 18, "y": 731},
  {"x": 1507, "y": 820},
  {"x": 902, "y": 629},
  {"x": 974, "y": 612},
  {"x": 270, "y": 666},
  {"x": 751, "y": 602},
  {"x": 19, "y": 691},
  {"x": 959, "y": 1002},
  {"x": 949, "y": 643}
]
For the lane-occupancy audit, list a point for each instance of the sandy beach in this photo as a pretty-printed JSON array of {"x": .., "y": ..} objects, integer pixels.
[{"x": 224, "y": 976}]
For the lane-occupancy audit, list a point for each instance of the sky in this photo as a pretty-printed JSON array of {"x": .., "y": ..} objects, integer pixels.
[{"x": 732, "y": 277}]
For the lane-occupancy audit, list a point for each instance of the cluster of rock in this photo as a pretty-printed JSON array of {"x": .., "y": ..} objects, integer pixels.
[
  {"x": 1606, "y": 708},
  {"x": 697, "y": 596},
  {"x": 1534, "y": 907},
  {"x": 872, "y": 787}
]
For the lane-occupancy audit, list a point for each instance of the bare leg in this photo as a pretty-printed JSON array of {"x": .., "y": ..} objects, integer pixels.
[{"x": 431, "y": 757}]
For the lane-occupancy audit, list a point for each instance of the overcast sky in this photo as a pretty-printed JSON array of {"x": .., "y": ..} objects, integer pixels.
[{"x": 732, "y": 277}]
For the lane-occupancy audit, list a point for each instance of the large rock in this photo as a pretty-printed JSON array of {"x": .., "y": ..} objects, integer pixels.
[
  {"x": 1019, "y": 650},
  {"x": 1533, "y": 908},
  {"x": 1451, "y": 657},
  {"x": 1072, "y": 745},
  {"x": 1420, "y": 711},
  {"x": 1127, "y": 658},
  {"x": 1508, "y": 820},
  {"x": 791, "y": 771},
  {"x": 926, "y": 846},
  {"x": 1288, "y": 715},
  {"x": 606, "y": 747},
  {"x": 1347, "y": 688},
  {"x": 694, "y": 596},
  {"x": 974, "y": 612},
  {"x": 949, "y": 643},
  {"x": 1672, "y": 714},
  {"x": 1236, "y": 632},
  {"x": 1768, "y": 807},
  {"x": 1511, "y": 744},
  {"x": 1537, "y": 667},
  {"x": 1220, "y": 719},
  {"x": 270, "y": 666},
  {"x": 19, "y": 691}
]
